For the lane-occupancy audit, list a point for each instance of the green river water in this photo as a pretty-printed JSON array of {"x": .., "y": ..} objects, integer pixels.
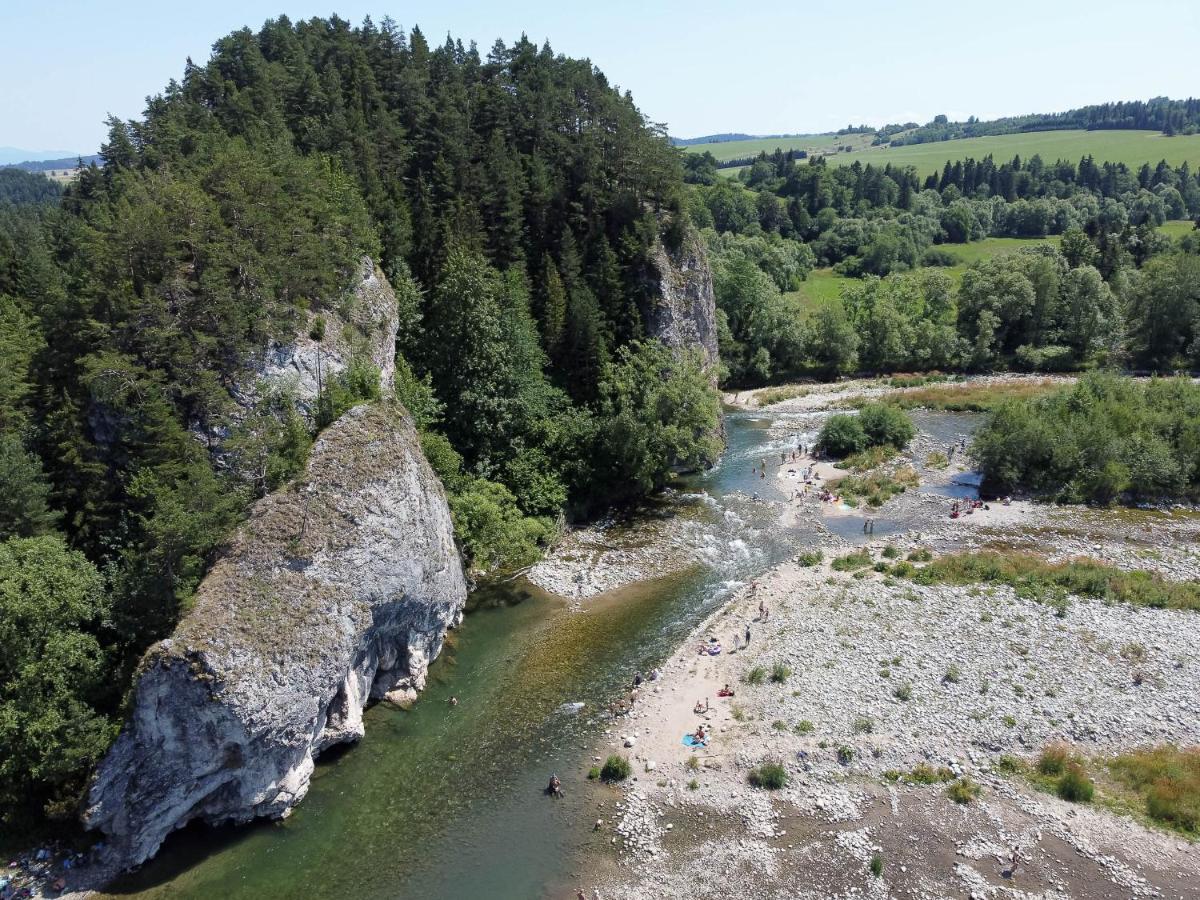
[{"x": 447, "y": 802}]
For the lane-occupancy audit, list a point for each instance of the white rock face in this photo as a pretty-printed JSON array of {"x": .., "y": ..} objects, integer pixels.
[
  {"x": 363, "y": 323},
  {"x": 682, "y": 312},
  {"x": 338, "y": 589}
]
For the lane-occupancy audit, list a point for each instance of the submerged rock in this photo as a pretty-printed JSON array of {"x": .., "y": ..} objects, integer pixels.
[{"x": 337, "y": 590}]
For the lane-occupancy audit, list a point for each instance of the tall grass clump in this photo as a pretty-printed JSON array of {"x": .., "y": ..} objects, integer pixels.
[
  {"x": 1167, "y": 778},
  {"x": 1035, "y": 579},
  {"x": 859, "y": 559}
]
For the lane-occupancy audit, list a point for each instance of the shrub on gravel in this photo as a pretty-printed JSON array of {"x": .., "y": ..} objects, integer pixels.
[
  {"x": 757, "y": 675},
  {"x": 810, "y": 558},
  {"x": 780, "y": 673},
  {"x": 924, "y": 773},
  {"x": 1075, "y": 785},
  {"x": 863, "y": 725},
  {"x": 876, "y": 864},
  {"x": 964, "y": 790},
  {"x": 842, "y": 435},
  {"x": 1053, "y": 760},
  {"x": 845, "y": 755},
  {"x": 616, "y": 768},
  {"x": 805, "y": 727},
  {"x": 859, "y": 559},
  {"x": 903, "y": 692},
  {"x": 771, "y": 776},
  {"x": 886, "y": 425}
]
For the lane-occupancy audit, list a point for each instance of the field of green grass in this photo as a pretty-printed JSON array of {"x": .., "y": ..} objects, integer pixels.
[
  {"x": 823, "y": 285},
  {"x": 813, "y": 143},
  {"x": 1130, "y": 147},
  {"x": 1176, "y": 230}
]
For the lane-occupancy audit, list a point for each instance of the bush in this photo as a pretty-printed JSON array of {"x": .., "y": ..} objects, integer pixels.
[
  {"x": 863, "y": 725},
  {"x": 1074, "y": 785},
  {"x": 804, "y": 726},
  {"x": 903, "y": 692},
  {"x": 964, "y": 790},
  {"x": 1109, "y": 438},
  {"x": 780, "y": 673},
  {"x": 953, "y": 674},
  {"x": 757, "y": 675},
  {"x": 771, "y": 776},
  {"x": 886, "y": 425},
  {"x": 594, "y": 772},
  {"x": 616, "y": 768},
  {"x": 692, "y": 764},
  {"x": 890, "y": 552},
  {"x": 920, "y": 555},
  {"x": 693, "y": 785},
  {"x": 810, "y": 558},
  {"x": 845, "y": 755},
  {"x": 842, "y": 435}
]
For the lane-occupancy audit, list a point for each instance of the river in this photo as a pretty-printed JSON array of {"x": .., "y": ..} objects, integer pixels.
[{"x": 446, "y": 801}]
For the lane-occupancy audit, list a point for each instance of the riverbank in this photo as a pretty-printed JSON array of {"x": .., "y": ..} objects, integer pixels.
[
  {"x": 882, "y": 676},
  {"x": 857, "y": 678}
]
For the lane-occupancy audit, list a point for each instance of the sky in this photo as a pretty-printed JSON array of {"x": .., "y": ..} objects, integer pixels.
[{"x": 701, "y": 67}]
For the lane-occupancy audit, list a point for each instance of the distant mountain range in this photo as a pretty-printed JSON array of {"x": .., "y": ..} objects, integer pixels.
[{"x": 40, "y": 160}]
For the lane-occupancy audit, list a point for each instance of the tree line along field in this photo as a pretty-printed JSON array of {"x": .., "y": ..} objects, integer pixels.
[
  {"x": 825, "y": 285},
  {"x": 1130, "y": 147}
]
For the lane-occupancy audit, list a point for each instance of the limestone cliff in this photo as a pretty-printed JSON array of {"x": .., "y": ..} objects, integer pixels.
[
  {"x": 682, "y": 309},
  {"x": 337, "y": 589},
  {"x": 362, "y": 323}
]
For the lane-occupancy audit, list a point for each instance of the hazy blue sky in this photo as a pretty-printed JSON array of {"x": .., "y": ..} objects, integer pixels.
[{"x": 700, "y": 66}]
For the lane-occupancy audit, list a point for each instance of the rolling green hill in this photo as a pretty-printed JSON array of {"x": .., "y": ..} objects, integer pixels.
[
  {"x": 1130, "y": 147},
  {"x": 813, "y": 143}
]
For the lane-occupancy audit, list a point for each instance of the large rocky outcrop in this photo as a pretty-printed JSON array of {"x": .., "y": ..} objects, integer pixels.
[
  {"x": 337, "y": 589},
  {"x": 682, "y": 308}
]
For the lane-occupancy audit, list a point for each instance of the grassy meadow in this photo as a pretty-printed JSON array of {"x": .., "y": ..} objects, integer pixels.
[
  {"x": 824, "y": 285},
  {"x": 1130, "y": 147},
  {"x": 813, "y": 143}
]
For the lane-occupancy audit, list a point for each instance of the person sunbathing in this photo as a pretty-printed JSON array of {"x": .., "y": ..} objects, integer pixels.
[{"x": 725, "y": 692}]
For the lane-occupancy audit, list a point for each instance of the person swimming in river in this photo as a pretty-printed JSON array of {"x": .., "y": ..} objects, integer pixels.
[{"x": 555, "y": 787}]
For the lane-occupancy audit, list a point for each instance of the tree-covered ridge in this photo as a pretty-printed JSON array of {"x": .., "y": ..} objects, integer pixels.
[
  {"x": 1163, "y": 114},
  {"x": 513, "y": 201},
  {"x": 20, "y": 187}
]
